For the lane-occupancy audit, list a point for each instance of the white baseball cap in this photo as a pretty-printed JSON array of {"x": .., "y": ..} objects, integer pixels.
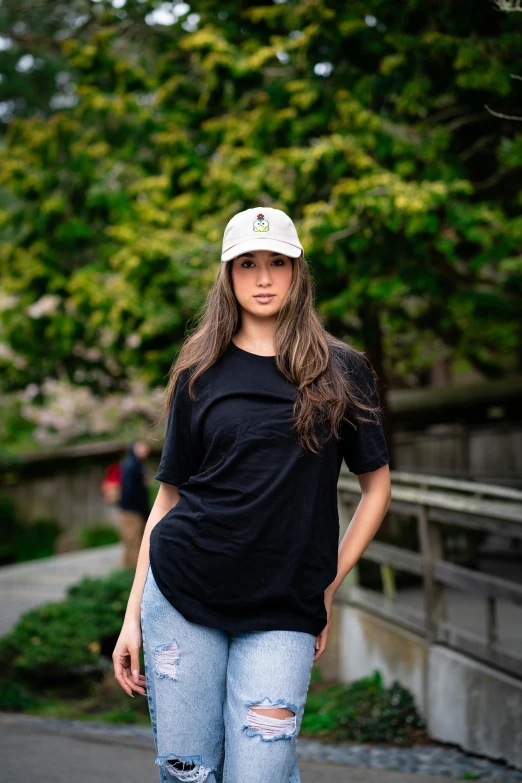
[{"x": 260, "y": 228}]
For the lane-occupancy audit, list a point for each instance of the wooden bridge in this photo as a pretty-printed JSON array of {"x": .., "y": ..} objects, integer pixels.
[{"x": 468, "y": 682}]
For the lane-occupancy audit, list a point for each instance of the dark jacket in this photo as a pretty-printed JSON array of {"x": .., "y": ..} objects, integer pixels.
[{"x": 134, "y": 493}]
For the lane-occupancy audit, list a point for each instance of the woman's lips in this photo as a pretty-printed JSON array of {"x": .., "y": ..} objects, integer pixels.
[{"x": 264, "y": 297}]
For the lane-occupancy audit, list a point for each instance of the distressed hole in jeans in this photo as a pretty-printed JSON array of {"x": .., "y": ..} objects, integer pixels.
[
  {"x": 166, "y": 658},
  {"x": 270, "y": 727},
  {"x": 189, "y": 772}
]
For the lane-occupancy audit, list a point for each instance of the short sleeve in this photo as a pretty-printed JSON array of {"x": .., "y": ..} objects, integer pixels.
[
  {"x": 177, "y": 458},
  {"x": 364, "y": 449}
]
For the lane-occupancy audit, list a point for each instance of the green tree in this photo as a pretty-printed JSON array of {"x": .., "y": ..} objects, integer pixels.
[{"x": 367, "y": 124}]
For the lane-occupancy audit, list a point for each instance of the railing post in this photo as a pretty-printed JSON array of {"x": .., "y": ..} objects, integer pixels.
[
  {"x": 388, "y": 581},
  {"x": 346, "y": 511},
  {"x": 431, "y": 550},
  {"x": 491, "y": 621}
]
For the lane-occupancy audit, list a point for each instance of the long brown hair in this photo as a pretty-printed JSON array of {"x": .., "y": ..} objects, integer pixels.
[{"x": 306, "y": 354}]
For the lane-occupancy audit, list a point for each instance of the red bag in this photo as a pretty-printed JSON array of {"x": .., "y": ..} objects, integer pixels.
[{"x": 111, "y": 484}]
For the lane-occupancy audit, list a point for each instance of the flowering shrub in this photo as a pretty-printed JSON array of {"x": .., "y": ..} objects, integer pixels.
[{"x": 68, "y": 413}]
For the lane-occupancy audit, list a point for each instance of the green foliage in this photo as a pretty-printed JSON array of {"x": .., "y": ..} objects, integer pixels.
[
  {"x": 363, "y": 711},
  {"x": 16, "y": 698},
  {"x": 36, "y": 539},
  {"x": 7, "y": 510},
  {"x": 102, "y": 700},
  {"x": 7, "y": 527},
  {"x": 98, "y": 535},
  {"x": 316, "y": 674},
  {"x": 68, "y": 639},
  {"x": 117, "y": 179},
  {"x": 122, "y": 715},
  {"x": 21, "y": 542},
  {"x": 99, "y": 700},
  {"x": 14, "y": 424}
]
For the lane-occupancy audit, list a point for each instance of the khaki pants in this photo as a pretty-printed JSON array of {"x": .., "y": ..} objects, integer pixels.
[{"x": 132, "y": 525}]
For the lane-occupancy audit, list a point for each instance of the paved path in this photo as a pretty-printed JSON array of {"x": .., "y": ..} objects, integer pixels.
[
  {"x": 25, "y": 585},
  {"x": 37, "y": 750}
]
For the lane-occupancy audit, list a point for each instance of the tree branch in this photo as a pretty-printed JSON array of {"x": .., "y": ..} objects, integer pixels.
[
  {"x": 466, "y": 120},
  {"x": 493, "y": 179},
  {"x": 477, "y": 146},
  {"x": 503, "y": 116}
]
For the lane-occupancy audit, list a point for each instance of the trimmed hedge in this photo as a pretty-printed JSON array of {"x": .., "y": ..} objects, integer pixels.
[
  {"x": 71, "y": 638},
  {"x": 98, "y": 535}
]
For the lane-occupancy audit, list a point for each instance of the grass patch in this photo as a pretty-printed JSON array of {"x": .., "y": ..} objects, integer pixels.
[{"x": 105, "y": 702}]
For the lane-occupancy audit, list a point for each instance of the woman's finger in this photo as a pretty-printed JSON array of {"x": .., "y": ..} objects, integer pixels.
[
  {"x": 321, "y": 644},
  {"x": 119, "y": 674},
  {"x": 130, "y": 682}
]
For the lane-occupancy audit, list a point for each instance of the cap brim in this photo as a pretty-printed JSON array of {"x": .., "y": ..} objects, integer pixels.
[{"x": 260, "y": 243}]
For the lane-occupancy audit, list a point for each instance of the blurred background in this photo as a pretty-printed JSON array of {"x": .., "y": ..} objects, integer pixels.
[{"x": 130, "y": 133}]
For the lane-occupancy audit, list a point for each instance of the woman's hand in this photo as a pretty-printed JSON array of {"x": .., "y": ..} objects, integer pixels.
[
  {"x": 320, "y": 642},
  {"x": 126, "y": 659}
]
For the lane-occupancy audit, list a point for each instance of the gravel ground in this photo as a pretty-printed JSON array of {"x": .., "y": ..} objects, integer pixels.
[{"x": 430, "y": 759}]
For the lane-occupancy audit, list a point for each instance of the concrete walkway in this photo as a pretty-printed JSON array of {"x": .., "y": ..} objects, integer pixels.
[
  {"x": 41, "y": 750},
  {"x": 25, "y": 585}
]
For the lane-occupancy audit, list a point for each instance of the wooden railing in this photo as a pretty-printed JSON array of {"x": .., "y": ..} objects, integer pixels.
[{"x": 436, "y": 502}]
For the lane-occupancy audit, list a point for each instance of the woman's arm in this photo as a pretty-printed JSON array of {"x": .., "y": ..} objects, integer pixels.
[
  {"x": 166, "y": 499},
  {"x": 374, "y": 503},
  {"x": 369, "y": 514},
  {"x": 126, "y": 655}
]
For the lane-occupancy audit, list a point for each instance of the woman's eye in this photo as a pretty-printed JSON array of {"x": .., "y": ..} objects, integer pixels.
[{"x": 278, "y": 261}]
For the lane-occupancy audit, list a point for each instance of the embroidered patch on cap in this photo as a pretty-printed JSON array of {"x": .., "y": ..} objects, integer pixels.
[{"x": 261, "y": 223}]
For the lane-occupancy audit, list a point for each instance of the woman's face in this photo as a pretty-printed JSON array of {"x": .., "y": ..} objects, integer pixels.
[{"x": 260, "y": 280}]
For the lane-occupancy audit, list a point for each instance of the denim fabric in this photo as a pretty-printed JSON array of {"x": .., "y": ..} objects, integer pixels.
[{"x": 201, "y": 684}]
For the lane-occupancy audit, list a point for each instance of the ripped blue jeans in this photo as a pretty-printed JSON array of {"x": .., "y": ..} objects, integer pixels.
[{"x": 208, "y": 691}]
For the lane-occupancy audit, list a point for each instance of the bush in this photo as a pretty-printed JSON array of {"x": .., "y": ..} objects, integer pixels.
[
  {"x": 21, "y": 542},
  {"x": 363, "y": 711},
  {"x": 73, "y": 638},
  {"x": 36, "y": 539},
  {"x": 98, "y": 535},
  {"x": 14, "y": 698},
  {"x": 8, "y": 527}
]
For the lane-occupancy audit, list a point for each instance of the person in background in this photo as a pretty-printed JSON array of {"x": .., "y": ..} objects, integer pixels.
[{"x": 134, "y": 508}]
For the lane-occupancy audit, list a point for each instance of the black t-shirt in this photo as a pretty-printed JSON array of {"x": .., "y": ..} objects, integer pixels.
[{"x": 253, "y": 541}]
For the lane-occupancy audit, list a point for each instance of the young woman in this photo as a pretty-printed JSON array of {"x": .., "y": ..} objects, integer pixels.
[{"x": 240, "y": 559}]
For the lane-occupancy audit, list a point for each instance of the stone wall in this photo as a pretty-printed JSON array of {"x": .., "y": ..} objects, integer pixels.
[{"x": 463, "y": 701}]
